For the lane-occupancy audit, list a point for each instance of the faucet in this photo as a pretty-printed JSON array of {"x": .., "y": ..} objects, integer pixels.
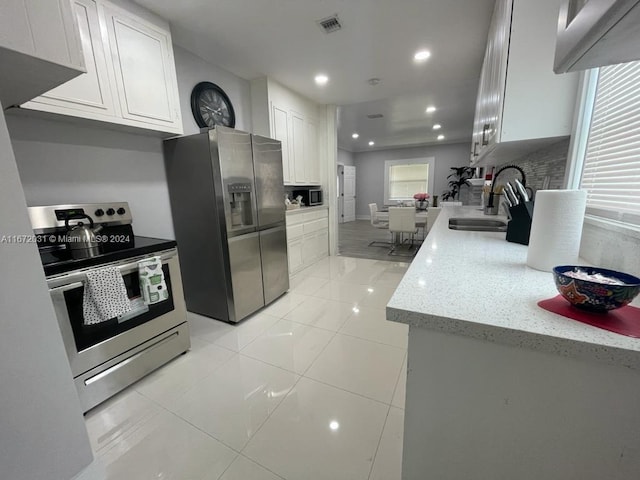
[{"x": 495, "y": 178}]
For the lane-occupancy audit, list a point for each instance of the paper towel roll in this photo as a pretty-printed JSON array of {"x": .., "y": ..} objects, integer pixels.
[{"x": 556, "y": 228}]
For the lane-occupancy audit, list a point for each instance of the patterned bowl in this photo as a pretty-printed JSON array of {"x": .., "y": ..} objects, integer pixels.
[{"x": 593, "y": 295}]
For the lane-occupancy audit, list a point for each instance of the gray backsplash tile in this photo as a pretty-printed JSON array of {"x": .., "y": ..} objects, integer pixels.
[{"x": 549, "y": 162}]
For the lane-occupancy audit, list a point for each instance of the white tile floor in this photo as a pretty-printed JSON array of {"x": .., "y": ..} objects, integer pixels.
[{"x": 310, "y": 388}]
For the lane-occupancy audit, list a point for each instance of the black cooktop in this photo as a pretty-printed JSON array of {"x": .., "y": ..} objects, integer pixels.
[{"x": 56, "y": 261}]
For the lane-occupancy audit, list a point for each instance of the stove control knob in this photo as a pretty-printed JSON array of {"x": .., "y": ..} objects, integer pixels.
[
  {"x": 121, "y": 211},
  {"x": 99, "y": 212},
  {"x": 111, "y": 211}
]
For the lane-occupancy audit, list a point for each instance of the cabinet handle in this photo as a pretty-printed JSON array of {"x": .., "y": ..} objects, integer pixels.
[
  {"x": 485, "y": 134},
  {"x": 475, "y": 149}
]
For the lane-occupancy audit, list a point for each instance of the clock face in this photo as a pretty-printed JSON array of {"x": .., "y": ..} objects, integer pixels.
[{"x": 211, "y": 106}]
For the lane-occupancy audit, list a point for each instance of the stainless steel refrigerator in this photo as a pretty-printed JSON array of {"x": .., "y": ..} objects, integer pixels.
[{"x": 227, "y": 200}]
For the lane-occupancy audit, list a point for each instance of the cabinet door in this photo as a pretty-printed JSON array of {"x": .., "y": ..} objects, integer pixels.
[
  {"x": 91, "y": 92},
  {"x": 297, "y": 148},
  {"x": 281, "y": 132},
  {"x": 142, "y": 56},
  {"x": 498, "y": 51},
  {"x": 294, "y": 251},
  {"x": 41, "y": 29},
  {"x": 322, "y": 243},
  {"x": 311, "y": 152}
]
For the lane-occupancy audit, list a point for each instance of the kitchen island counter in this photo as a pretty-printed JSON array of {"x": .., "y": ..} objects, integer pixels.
[
  {"x": 498, "y": 388},
  {"x": 477, "y": 284}
]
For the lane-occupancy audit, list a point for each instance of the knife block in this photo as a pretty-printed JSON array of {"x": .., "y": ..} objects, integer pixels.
[{"x": 519, "y": 227}]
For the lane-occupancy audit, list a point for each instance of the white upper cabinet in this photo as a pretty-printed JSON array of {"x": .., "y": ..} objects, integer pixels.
[
  {"x": 142, "y": 56},
  {"x": 311, "y": 152},
  {"x": 280, "y": 131},
  {"x": 594, "y": 33},
  {"x": 91, "y": 92},
  {"x": 41, "y": 38},
  {"x": 131, "y": 78},
  {"x": 297, "y": 148},
  {"x": 522, "y": 104},
  {"x": 281, "y": 114}
]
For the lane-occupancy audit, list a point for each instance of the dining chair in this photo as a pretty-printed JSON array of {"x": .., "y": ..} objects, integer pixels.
[
  {"x": 402, "y": 220},
  {"x": 375, "y": 222}
]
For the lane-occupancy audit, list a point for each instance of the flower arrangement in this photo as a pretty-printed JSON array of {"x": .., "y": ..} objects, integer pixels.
[{"x": 422, "y": 200}]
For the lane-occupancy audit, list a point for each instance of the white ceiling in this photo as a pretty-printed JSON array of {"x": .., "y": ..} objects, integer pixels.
[{"x": 280, "y": 39}]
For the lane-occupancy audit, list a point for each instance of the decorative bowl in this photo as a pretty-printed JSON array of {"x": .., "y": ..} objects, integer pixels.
[{"x": 593, "y": 294}]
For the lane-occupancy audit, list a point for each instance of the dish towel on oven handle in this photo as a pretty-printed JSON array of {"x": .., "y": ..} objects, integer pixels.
[
  {"x": 105, "y": 295},
  {"x": 152, "y": 284}
]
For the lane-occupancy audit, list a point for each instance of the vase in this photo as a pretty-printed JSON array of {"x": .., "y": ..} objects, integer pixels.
[{"x": 422, "y": 204}]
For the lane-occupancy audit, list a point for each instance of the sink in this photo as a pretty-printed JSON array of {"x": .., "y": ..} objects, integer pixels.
[{"x": 477, "y": 224}]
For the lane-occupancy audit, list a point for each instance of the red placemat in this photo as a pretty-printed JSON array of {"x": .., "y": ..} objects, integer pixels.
[{"x": 625, "y": 320}]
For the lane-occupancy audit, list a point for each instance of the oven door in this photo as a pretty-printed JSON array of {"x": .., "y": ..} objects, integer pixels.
[{"x": 91, "y": 345}]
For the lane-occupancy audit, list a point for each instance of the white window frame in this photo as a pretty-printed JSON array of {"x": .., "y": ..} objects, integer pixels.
[
  {"x": 430, "y": 161},
  {"x": 585, "y": 102}
]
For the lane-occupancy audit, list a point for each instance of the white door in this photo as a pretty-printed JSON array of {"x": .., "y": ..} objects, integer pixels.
[
  {"x": 340, "y": 193},
  {"x": 349, "y": 202}
]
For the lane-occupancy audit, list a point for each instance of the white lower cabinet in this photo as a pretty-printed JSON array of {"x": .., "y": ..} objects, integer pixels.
[
  {"x": 131, "y": 77},
  {"x": 296, "y": 261},
  {"x": 307, "y": 238}
]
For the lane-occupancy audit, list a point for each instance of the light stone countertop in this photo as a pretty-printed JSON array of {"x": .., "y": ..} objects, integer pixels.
[
  {"x": 307, "y": 209},
  {"x": 478, "y": 285}
]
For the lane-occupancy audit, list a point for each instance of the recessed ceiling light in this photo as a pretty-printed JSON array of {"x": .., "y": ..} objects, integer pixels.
[
  {"x": 372, "y": 143},
  {"x": 440, "y": 137},
  {"x": 321, "y": 79},
  {"x": 437, "y": 126},
  {"x": 354, "y": 135},
  {"x": 373, "y": 81},
  {"x": 422, "y": 55},
  {"x": 431, "y": 109}
]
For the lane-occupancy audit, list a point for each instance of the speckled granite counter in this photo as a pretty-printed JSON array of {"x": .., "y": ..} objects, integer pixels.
[
  {"x": 496, "y": 386},
  {"x": 477, "y": 284},
  {"x": 307, "y": 209}
]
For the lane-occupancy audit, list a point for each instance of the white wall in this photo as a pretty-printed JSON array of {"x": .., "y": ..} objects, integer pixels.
[
  {"x": 64, "y": 162},
  {"x": 42, "y": 431},
  {"x": 345, "y": 157},
  {"x": 192, "y": 70},
  {"x": 370, "y": 170}
]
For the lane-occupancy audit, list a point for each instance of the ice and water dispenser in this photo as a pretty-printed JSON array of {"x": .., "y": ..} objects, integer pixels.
[{"x": 240, "y": 204}]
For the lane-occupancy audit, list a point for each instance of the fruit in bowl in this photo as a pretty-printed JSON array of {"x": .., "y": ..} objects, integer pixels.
[{"x": 595, "y": 289}]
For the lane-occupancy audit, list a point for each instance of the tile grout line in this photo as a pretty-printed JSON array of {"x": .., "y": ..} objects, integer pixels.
[{"x": 373, "y": 460}]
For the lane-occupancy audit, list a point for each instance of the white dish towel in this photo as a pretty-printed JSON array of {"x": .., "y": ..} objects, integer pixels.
[
  {"x": 152, "y": 284},
  {"x": 105, "y": 295}
]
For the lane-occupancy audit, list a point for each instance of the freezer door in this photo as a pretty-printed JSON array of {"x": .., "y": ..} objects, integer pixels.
[
  {"x": 246, "y": 275},
  {"x": 267, "y": 165},
  {"x": 235, "y": 168},
  {"x": 275, "y": 268}
]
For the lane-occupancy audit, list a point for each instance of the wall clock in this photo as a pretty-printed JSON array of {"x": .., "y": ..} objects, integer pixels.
[{"x": 211, "y": 106}]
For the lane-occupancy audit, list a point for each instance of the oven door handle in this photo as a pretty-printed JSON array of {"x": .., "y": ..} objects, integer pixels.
[
  {"x": 64, "y": 288},
  {"x": 77, "y": 278}
]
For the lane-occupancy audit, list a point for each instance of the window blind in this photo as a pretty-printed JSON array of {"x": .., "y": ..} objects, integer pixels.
[
  {"x": 407, "y": 180},
  {"x": 611, "y": 173}
]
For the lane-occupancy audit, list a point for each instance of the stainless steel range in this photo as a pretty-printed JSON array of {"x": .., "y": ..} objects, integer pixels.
[{"x": 106, "y": 357}]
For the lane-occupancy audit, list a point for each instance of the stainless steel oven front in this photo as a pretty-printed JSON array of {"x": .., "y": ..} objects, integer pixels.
[{"x": 109, "y": 356}]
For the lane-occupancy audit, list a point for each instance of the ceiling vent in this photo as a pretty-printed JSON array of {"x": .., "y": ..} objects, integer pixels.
[
  {"x": 375, "y": 115},
  {"x": 330, "y": 24}
]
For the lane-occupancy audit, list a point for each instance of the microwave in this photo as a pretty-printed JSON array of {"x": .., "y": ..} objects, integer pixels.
[{"x": 310, "y": 196}]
